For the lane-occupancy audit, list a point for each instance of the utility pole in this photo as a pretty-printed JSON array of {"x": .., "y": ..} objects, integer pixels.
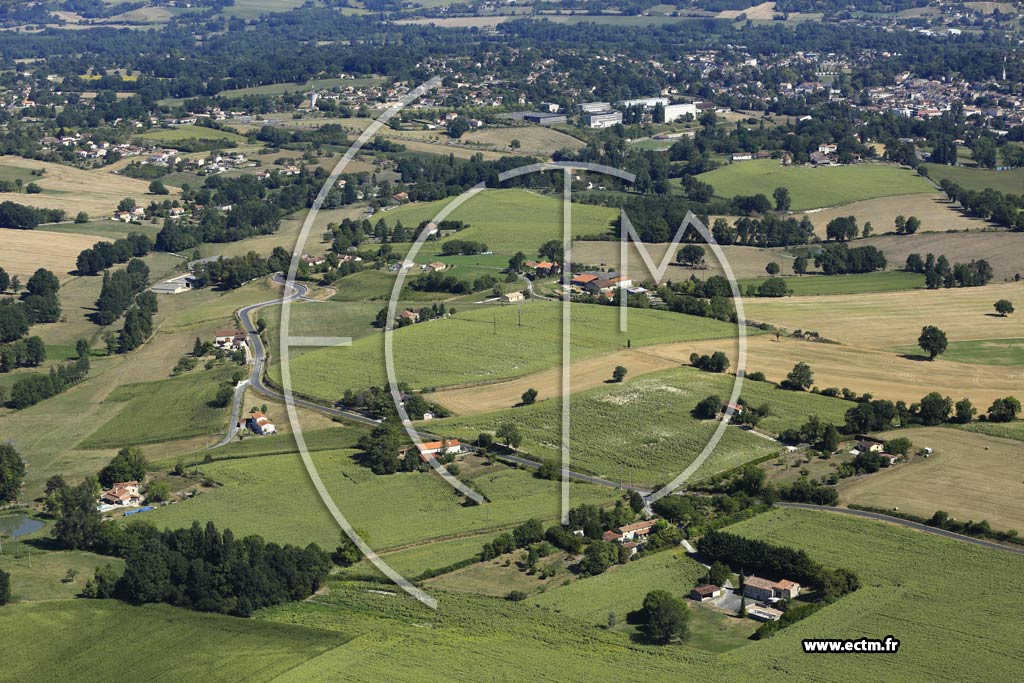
[{"x": 495, "y": 320}]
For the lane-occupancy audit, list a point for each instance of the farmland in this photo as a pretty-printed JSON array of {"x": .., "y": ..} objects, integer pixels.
[
  {"x": 937, "y": 214},
  {"x": 981, "y": 351},
  {"x": 26, "y": 250},
  {"x": 970, "y": 476},
  {"x": 636, "y": 429},
  {"x": 812, "y": 188},
  {"x": 1004, "y": 251},
  {"x": 166, "y": 410},
  {"x": 535, "y": 140},
  {"x": 745, "y": 262},
  {"x": 274, "y": 497},
  {"x": 487, "y": 344},
  {"x": 219, "y": 648},
  {"x": 861, "y": 283},
  {"x": 979, "y": 178},
  {"x": 282, "y": 88},
  {"x": 190, "y": 132},
  {"x": 73, "y": 190},
  {"x": 507, "y": 221}
]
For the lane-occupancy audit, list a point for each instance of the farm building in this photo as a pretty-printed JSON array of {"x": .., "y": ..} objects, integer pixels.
[
  {"x": 736, "y": 408},
  {"x": 609, "y": 283},
  {"x": 229, "y": 339},
  {"x": 865, "y": 444},
  {"x": 706, "y": 592},
  {"x": 258, "y": 423},
  {"x": 544, "y": 118},
  {"x": 123, "y": 494},
  {"x": 512, "y": 297},
  {"x": 766, "y": 590},
  {"x": 175, "y": 285},
  {"x": 431, "y": 449}
]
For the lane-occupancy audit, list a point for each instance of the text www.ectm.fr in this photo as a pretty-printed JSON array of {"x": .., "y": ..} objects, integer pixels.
[{"x": 887, "y": 644}]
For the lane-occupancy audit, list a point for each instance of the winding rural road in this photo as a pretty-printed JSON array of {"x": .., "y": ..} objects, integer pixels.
[{"x": 907, "y": 523}]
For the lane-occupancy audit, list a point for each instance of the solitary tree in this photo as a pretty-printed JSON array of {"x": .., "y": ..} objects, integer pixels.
[
  {"x": 667, "y": 617},
  {"x": 932, "y": 340},
  {"x": 12, "y": 472},
  {"x": 800, "y": 265},
  {"x": 157, "y": 187},
  {"x": 1003, "y": 307},
  {"x": 801, "y": 377},
  {"x": 509, "y": 434},
  {"x": 529, "y": 396},
  {"x": 772, "y": 268},
  {"x": 691, "y": 255},
  {"x": 782, "y": 199},
  {"x": 619, "y": 373},
  {"x": 5, "y": 587}
]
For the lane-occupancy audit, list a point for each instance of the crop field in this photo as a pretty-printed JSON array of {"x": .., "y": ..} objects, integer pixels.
[
  {"x": 26, "y": 250},
  {"x": 888, "y": 319},
  {"x": 507, "y": 221},
  {"x": 1004, "y": 251},
  {"x": 937, "y": 214},
  {"x": 99, "y": 228},
  {"x": 71, "y": 189},
  {"x": 970, "y": 476},
  {"x": 282, "y": 88},
  {"x": 487, "y": 344},
  {"x": 861, "y": 283},
  {"x": 879, "y": 372},
  {"x": 982, "y": 351},
  {"x": 813, "y": 188},
  {"x": 745, "y": 262},
  {"x": 1003, "y": 430},
  {"x": 166, "y": 410},
  {"x": 972, "y": 178},
  {"x": 190, "y": 132},
  {"x": 274, "y": 497},
  {"x": 538, "y": 141},
  {"x": 621, "y": 589},
  {"x": 643, "y": 428},
  {"x": 49, "y": 639}
]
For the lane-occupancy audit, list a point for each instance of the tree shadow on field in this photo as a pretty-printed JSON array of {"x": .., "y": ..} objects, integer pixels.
[
  {"x": 915, "y": 356},
  {"x": 995, "y": 315}
]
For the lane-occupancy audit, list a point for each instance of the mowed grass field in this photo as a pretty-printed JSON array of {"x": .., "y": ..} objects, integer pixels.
[
  {"x": 23, "y": 251},
  {"x": 507, "y": 221},
  {"x": 643, "y": 427},
  {"x": 745, "y": 262},
  {"x": 970, "y": 476},
  {"x": 165, "y": 410},
  {"x": 982, "y": 351},
  {"x": 96, "y": 192},
  {"x": 534, "y": 140},
  {"x": 936, "y": 212},
  {"x": 484, "y": 344},
  {"x": 978, "y": 179},
  {"x": 1004, "y": 251},
  {"x": 861, "y": 283},
  {"x": 190, "y": 132},
  {"x": 273, "y": 496},
  {"x": 81, "y": 639},
  {"x": 812, "y": 188}
]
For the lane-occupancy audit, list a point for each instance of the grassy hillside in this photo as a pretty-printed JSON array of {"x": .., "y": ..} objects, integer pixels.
[
  {"x": 815, "y": 285},
  {"x": 979, "y": 178},
  {"x": 643, "y": 427},
  {"x": 82, "y": 640},
  {"x": 489, "y": 343},
  {"x": 812, "y": 188}
]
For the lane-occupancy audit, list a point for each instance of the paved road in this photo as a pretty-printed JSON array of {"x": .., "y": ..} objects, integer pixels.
[{"x": 907, "y": 523}]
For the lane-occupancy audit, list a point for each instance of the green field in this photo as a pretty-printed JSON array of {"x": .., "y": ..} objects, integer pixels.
[
  {"x": 274, "y": 497},
  {"x": 861, "y": 283},
  {"x": 164, "y": 410},
  {"x": 813, "y": 188},
  {"x": 282, "y": 88},
  {"x": 1004, "y": 430},
  {"x": 80, "y": 640},
  {"x": 979, "y": 178},
  {"x": 506, "y": 221},
  {"x": 491, "y": 343},
  {"x": 981, "y": 351},
  {"x": 643, "y": 428},
  {"x": 190, "y": 132}
]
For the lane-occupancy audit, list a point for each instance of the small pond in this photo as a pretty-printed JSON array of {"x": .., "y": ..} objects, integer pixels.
[{"x": 19, "y": 524}]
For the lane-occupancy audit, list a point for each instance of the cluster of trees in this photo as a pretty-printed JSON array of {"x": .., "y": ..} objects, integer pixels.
[
  {"x": 12, "y": 472},
  {"x": 380, "y": 450},
  {"x": 838, "y": 258},
  {"x": 22, "y": 353},
  {"x": 31, "y": 389},
  {"x": 464, "y": 247},
  {"x": 438, "y": 281},
  {"x": 1002, "y": 209},
  {"x": 777, "y": 562},
  {"x": 38, "y": 304},
  {"x": 939, "y": 273},
  {"x": 205, "y": 569},
  {"x": 233, "y": 272},
  {"x": 103, "y": 255},
  {"x": 21, "y": 217},
  {"x": 119, "y": 290},
  {"x": 716, "y": 362},
  {"x": 908, "y": 225},
  {"x": 526, "y": 534}
]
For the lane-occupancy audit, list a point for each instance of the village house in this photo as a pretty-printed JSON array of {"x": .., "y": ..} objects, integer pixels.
[
  {"x": 410, "y": 315},
  {"x": 229, "y": 339},
  {"x": 583, "y": 279},
  {"x": 258, "y": 423},
  {"x": 766, "y": 590},
  {"x": 736, "y": 408},
  {"x": 607, "y": 284},
  {"x": 705, "y": 592},
  {"x": 512, "y": 297},
  {"x": 123, "y": 494},
  {"x": 313, "y": 261},
  {"x": 400, "y": 197},
  {"x": 436, "y": 266},
  {"x": 432, "y": 449},
  {"x": 866, "y": 444}
]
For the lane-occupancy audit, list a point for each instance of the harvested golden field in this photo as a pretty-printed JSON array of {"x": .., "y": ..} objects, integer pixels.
[
  {"x": 970, "y": 476},
  {"x": 884, "y": 320},
  {"x": 764, "y": 11},
  {"x": 746, "y": 262},
  {"x": 23, "y": 251},
  {"x": 881, "y": 373},
  {"x": 534, "y": 140},
  {"x": 72, "y": 189},
  {"x": 1003, "y": 250},
  {"x": 935, "y": 211}
]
